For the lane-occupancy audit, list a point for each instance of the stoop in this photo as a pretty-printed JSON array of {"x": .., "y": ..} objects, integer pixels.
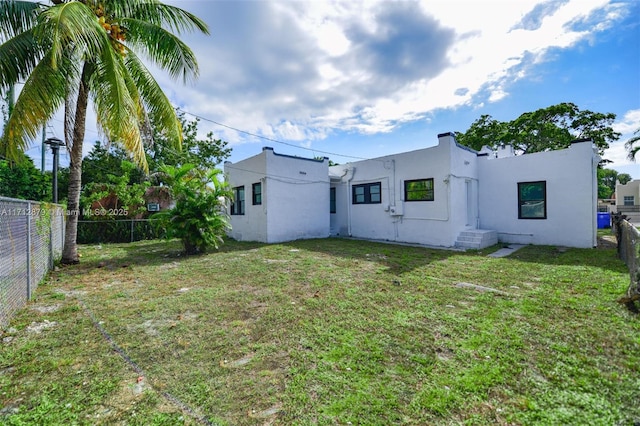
[{"x": 476, "y": 239}]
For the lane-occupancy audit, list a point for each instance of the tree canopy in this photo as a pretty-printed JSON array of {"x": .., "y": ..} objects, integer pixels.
[
  {"x": 204, "y": 154},
  {"x": 607, "y": 179},
  {"x": 545, "y": 129},
  {"x": 23, "y": 180}
]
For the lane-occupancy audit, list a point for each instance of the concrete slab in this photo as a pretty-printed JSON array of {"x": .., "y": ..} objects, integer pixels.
[{"x": 506, "y": 251}]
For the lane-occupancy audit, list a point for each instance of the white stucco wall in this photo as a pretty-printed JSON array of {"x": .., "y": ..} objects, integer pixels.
[
  {"x": 295, "y": 198},
  {"x": 436, "y": 222},
  {"x": 251, "y": 226},
  {"x": 570, "y": 176},
  {"x": 630, "y": 189}
]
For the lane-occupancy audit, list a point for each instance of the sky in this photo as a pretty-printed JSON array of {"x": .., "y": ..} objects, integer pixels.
[{"x": 352, "y": 80}]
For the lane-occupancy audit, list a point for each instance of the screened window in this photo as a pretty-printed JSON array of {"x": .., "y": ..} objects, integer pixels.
[
  {"x": 368, "y": 193},
  {"x": 237, "y": 207},
  {"x": 256, "y": 193},
  {"x": 418, "y": 190},
  {"x": 532, "y": 200},
  {"x": 332, "y": 200},
  {"x": 629, "y": 200}
]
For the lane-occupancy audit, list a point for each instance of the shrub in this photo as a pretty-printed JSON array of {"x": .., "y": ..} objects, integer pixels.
[{"x": 199, "y": 218}]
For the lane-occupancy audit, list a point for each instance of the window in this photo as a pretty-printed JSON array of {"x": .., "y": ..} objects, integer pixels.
[
  {"x": 532, "y": 200},
  {"x": 418, "y": 190},
  {"x": 368, "y": 193},
  {"x": 237, "y": 207},
  {"x": 332, "y": 200},
  {"x": 629, "y": 200},
  {"x": 256, "y": 193}
]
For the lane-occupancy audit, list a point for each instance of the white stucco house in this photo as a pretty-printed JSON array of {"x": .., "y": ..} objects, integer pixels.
[
  {"x": 447, "y": 195},
  {"x": 278, "y": 197},
  {"x": 628, "y": 199}
]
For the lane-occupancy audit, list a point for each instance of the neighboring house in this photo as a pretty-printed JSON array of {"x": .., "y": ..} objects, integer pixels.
[
  {"x": 628, "y": 199},
  {"x": 278, "y": 197},
  {"x": 158, "y": 198},
  {"x": 447, "y": 195}
]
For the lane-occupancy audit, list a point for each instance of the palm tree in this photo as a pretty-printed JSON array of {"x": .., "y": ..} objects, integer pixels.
[
  {"x": 633, "y": 146},
  {"x": 79, "y": 51}
]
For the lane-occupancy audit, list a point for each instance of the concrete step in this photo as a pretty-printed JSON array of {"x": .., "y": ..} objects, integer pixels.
[{"x": 476, "y": 239}]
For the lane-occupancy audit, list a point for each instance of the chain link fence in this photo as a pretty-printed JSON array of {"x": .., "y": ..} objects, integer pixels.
[
  {"x": 31, "y": 240},
  {"x": 117, "y": 231},
  {"x": 628, "y": 238}
]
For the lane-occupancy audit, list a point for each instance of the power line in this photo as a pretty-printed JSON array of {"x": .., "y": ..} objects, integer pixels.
[{"x": 267, "y": 138}]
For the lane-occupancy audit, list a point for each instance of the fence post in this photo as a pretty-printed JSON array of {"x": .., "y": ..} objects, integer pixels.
[
  {"x": 51, "y": 219},
  {"x": 28, "y": 217}
]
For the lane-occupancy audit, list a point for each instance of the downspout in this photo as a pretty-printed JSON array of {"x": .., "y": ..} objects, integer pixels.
[
  {"x": 348, "y": 175},
  {"x": 396, "y": 200}
]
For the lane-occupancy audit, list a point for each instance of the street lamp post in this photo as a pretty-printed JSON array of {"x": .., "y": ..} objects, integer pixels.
[{"x": 55, "y": 144}]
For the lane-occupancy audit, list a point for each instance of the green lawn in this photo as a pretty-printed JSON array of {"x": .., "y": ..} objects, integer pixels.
[{"x": 325, "y": 332}]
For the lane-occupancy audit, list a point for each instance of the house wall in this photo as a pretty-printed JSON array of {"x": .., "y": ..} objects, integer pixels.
[
  {"x": 297, "y": 197},
  {"x": 251, "y": 226},
  {"x": 570, "y": 176},
  {"x": 436, "y": 222},
  {"x": 631, "y": 188}
]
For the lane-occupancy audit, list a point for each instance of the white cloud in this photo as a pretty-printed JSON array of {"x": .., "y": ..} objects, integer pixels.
[
  {"x": 369, "y": 66},
  {"x": 629, "y": 124},
  {"x": 617, "y": 153}
]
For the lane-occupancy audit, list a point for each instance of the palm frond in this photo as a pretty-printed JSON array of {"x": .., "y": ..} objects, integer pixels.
[
  {"x": 17, "y": 17},
  {"x": 43, "y": 93},
  {"x": 633, "y": 145},
  {"x": 164, "y": 15},
  {"x": 115, "y": 108},
  {"x": 158, "y": 106},
  {"x": 71, "y": 25},
  {"x": 162, "y": 47},
  {"x": 18, "y": 57}
]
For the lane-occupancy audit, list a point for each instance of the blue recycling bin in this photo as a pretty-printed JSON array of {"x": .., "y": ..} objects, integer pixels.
[{"x": 604, "y": 220}]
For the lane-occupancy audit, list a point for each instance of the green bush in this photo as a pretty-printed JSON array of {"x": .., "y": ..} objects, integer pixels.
[{"x": 198, "y": 219}]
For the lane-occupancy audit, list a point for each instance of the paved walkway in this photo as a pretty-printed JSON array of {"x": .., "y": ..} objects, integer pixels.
[{"x": 506, "y": 251}]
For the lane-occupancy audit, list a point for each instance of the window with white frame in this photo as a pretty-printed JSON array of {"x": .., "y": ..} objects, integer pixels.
[{"x": 629, "y": 200}]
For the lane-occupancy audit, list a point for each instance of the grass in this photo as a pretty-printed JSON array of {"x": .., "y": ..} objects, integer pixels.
[{"x": 325, "y": 332}]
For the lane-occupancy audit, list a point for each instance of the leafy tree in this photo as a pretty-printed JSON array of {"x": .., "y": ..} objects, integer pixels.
[
  {"x": 63, "y": 184},
  {"x": 607, "y": 179},
  {"x": 23, "y": 180},
  {"x": 204, "y": 153},
  {"x": 198, "y": 218},
  {"x": 484, "y": 131},
  {"x": 126, "y": 196},
  {"x": 104, "y": 161},
  {"x": 77, "y": 51},
  {"x": 633, "y": 145},
  {"x": 546, "y": 129}
]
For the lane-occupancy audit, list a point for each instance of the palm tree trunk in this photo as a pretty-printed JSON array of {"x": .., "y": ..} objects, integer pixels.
[{"x": 70, "y": 250}]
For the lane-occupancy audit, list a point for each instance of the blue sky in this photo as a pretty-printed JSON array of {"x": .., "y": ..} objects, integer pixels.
[{"x": 368, "y": 79}]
